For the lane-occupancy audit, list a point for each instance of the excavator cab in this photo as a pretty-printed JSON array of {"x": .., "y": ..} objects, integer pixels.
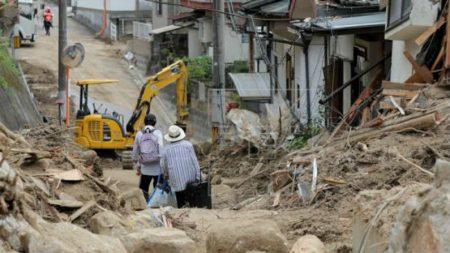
[
  {"x": 83, "y": 109},
  {"x": 97, "y": 130}
]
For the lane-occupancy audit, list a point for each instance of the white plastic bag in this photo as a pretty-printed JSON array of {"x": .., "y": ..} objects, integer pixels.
[{"x": 162, "y": 196}]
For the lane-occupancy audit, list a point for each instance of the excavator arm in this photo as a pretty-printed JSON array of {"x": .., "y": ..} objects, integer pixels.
[{"x": 174, "y": 73}]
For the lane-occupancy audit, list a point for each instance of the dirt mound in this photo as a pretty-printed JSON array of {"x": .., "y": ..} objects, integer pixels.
[{"x": 344, "y": 169}]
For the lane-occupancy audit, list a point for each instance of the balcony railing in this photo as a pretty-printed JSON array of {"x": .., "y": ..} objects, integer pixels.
[{"x": 142, "y": 30}]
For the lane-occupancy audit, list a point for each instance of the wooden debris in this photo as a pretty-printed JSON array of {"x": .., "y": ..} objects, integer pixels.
[
  {"x": 276, "y": 200},
  {"x": 419, "y": 121},
  {"x": 352, "y": 111},
  {"x": 256, "y": 169},
  {"x": 399, "y": 108},
  {"x": 41, "y": 185},
  {"x": 74, "y": 175},
  {"x": 334, "y": 181},
  {"x": 16, "y": 137},
  {"x": 65, "y": 203},
  {"x": 314, "y": 176},
  {"x": 250, "y": 177},
  {"x": 431, "y": 174},
  {"x": 82, "y": 210},
  {"x": 79, "y": 166},
  {"x": 430, "y": 31},
  {"x": 423, "y": 71}
]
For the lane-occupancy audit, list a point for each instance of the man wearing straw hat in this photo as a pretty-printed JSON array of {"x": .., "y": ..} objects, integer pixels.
[{"x": 179, "y": 163}]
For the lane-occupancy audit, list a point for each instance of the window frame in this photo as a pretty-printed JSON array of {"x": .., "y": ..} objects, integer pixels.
[{"x": 403, "y": 16}]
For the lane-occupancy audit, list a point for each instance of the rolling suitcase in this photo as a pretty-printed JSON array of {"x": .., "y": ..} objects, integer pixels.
[{"x": 199, "y": 195}]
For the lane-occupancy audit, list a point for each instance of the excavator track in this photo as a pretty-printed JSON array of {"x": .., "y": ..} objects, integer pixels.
[{"x": 127, "y": 160}]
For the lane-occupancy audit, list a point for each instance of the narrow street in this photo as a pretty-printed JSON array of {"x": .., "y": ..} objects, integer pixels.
[{"x": 102, "y": 61}]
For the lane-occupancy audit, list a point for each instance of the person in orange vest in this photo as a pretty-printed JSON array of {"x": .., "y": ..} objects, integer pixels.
[{"x": 48, "y": 19}]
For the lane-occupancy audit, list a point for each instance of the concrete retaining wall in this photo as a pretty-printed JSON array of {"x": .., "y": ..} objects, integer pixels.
[{"x": 17, "y": 108}]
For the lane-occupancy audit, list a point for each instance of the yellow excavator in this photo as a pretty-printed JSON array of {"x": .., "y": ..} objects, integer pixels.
[{"x": 102, "y": 131}]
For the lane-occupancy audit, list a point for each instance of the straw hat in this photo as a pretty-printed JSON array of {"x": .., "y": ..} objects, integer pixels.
[{"x": 175, "y": 133}]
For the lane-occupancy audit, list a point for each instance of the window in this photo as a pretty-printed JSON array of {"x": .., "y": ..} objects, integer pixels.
[
  {"x": 398, "y": 12},
  {"x": 245, "y": 38},
  {"x": 159, "y": 7}
]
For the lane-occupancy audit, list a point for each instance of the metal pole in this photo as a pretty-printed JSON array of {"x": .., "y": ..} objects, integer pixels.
[
  {"x": 62, "y": 42},
  {"x": 218, "y": 117}
]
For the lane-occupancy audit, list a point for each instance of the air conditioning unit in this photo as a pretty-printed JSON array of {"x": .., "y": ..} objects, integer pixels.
[{"x": 205, "y": 30}]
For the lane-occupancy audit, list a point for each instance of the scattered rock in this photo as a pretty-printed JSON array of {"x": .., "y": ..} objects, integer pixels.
[
  {"x": 157, "y": 240},
  {"x": 422, "y": 223},
  {"x": 89, "y": 156},
  {"x": 134, "y": 199},
  {"x": 81, "y": 240},
  {"x": 240, "y": 236},
  {"x": 223, "y": 196},
  {"x": 108, "y": 223},
  {"x": 308, "y": 244},
  {"x": 217, "y": 179}
]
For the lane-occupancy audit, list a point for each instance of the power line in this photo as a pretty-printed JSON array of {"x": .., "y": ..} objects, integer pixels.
[{"x": 218, "y": 11}]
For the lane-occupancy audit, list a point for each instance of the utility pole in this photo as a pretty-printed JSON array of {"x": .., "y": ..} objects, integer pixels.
[
  {"x": 251, "y": 52},
  {"x": 218, "y": 93},
  {"x": 62, "y": 42}
]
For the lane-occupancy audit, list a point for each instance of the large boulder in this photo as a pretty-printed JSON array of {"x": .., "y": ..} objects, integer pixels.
[
  {"x": 423, "y": 223},
  {"x": 223, "y": 196},
  {"x": 241, "y": 236},
  {"x": 134, "y": 199},
  {"x": 108, "y": 223},
  {"x": 157, "y": 240},
  {"x": 81, "y": 240},
  {"x": 308, "y": 244}
]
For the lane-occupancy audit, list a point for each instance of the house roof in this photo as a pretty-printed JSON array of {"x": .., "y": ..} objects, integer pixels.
[
  {"x": 267, "y": 7},
  {"x": 333, "y": 24},
  {"x": 280, "y": 8},
  {"x": 170, "y": 28},
  {"x": 252, "y": 86}
]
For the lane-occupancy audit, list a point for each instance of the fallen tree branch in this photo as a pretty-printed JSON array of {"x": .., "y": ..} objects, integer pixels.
[
  {"x": 414, "y": 165},
  {"x": 15, "y": 137},
  {"x": 252, "y": 176}
]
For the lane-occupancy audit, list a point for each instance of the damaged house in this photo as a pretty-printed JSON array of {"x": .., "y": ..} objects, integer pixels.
[{"x": 322, "y": 54}]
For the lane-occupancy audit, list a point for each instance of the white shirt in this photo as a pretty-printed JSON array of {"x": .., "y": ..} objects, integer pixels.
[{"x": 151, "y": 169}]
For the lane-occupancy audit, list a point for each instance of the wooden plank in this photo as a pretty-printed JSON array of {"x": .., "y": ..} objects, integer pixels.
[
  {"x": 430, "y": 31},
  {"x": 403, "y": 86},
  {"x": 399, "y": 93},
  {"x": 82, "y": 210},
  {"x": 352, "y": 111},
  {"x": 423, "y": 71},
  {"x": 414, "y": 78}
]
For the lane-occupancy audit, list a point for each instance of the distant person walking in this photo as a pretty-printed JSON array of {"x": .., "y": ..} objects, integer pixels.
[
  {"x": 147, "y": 149},
  {"x": 179, "y": 163},
  {"x": 48, "y": 20}
]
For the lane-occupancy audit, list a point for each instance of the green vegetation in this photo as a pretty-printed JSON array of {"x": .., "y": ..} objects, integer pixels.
[
  {"x": 9, "y": 74},
  {"x": 307, "y": 133},
  {"x": 200, "y": 68}
]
